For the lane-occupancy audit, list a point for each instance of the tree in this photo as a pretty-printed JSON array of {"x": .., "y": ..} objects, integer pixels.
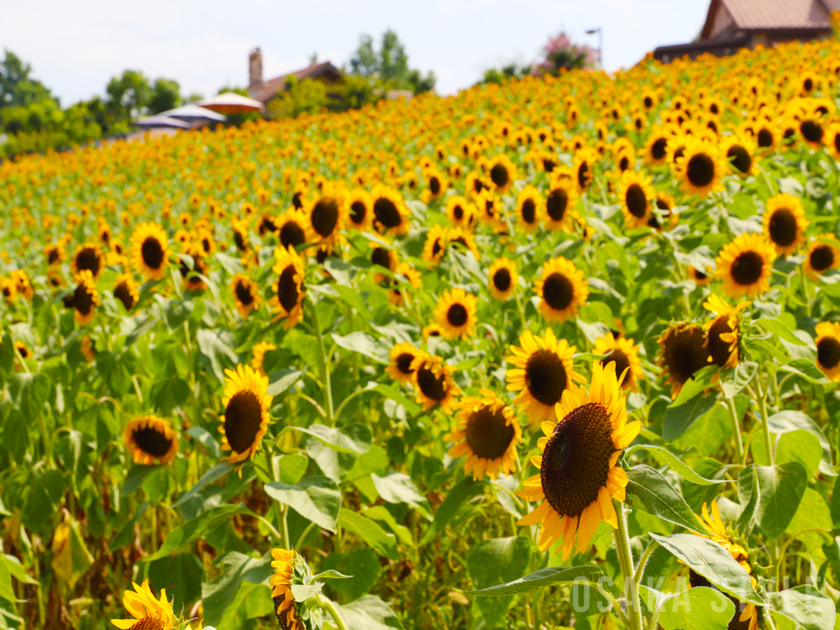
[
  {"x": 129, "y": 95},
  {"x": 165, "y": 95},
  {"x": 17, "y": 88},
  {"x": 307, "y": 96},
  {"x": 389, "y": 65},
  {"x": 560, "y": 52},
  {"x": 508, "y": 71}
]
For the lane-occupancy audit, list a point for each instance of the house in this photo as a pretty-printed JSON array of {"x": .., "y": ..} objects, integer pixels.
[
  {"x": 735, "y": 24},
  {"x": 264, "y": 91}
]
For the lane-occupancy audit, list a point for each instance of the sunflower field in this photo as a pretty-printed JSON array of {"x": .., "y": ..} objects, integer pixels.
[{"x": 561, "y": 352}]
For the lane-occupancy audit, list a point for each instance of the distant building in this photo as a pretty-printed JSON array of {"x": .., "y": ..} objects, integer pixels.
[
  {"x": 735, "y": 24},
  {"x": 264, "y": 91}
]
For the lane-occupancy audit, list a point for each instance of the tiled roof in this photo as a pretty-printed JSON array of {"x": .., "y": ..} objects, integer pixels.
[
  {"x": 778, "y": 14},
  {"x": 270, "y": 88}
]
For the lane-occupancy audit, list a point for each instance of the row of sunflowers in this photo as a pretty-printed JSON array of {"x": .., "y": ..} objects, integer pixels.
[{"x": 561, "y": 352}]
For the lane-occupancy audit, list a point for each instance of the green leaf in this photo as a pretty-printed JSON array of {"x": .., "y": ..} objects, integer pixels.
[
  {"x": 699, "y": 382},
  {"x": 541, "y": 579},
  {"x": 399, "y": 488},
  {"x": 361, "y": 564},
  {"x": 813, "y": 513},
  {"x": 749, "y": 493},
  {"x": 302, "y": 592},
  {"x": 790, "y": 420},
  {"x": 331, "y": 575},
  {"x": 805, "y": 369},
  {"x": 370, "y": 532},
  {"x": 197, "y": 528},
  {"x": 28, "y": 393},
  {"x": 315, "y": 498},
  {"x": 180, "y": 575},
  {"x": 734, "y": 381},
  {"x": 800, "y": 446},
  {"x": 392, "y": 394},
  {"x": 126, "y": 533},
  {"x": 7, "y": 592},
  {"x": 495, "y": 561},
  {"x": 136, "y": 476},
  {"x": 460, "y": 493},
  {"x": 381, "y": 513},
  {"x": 674, "y": 463},
  {"x": 698, "y": 608},
  {"x": 218, "y": 471},
  {"x": 649, "y": 491},
  {"x": 233, "y": 568},
  {"x": 778, "y": 328},
  {"x": 369, "y": 613},
  {"x": 782, "y": 488},
  {"x": 805, "y": 606},
  {"x": 251, "y": 601},
  {"x": 713, "y": 562},
  {"x": 215, "y": 347},
  {"x": 678, "y": 418},
  {"x": 352, "y": 438},
  {"x": 42, "y": 498},
  {"x": 281, "y": 380},
  {"x": 364, "y": 344}
]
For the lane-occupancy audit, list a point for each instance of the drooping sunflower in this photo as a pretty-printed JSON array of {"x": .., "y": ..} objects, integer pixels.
[
  {"x": 785, "y": 223},
  {"x": 562, "y": 289},
  {"x": 636, "y": 193},
  {"x": 245, "y": 419},
  {"x": 823, "y": 254},
  {"x": 360, "y": 207},
  {"x": 287, "y": 300},
  {"x": 149, "y": 250},
  {"x": 283, "y": 563},
  {"x": 435, "y": 246},
  {"x": 579, "y": 473},
  {"x": 150, "y": 440},
  {"x": 543, "y": 371},
  {"x": 560, "y": 203},
  {"x": 291, "y": 228},
  {"x": 125, "y": 290},
  {"x": 701, "y": 167},
  {"x": 529, "y": 205},
  {"x": 828, "y": 349},
  {"x": 683, "y": 351},
  {"x": 502, "y": 279},
  {"x": 148, "y": 613},
  {"x": 402, "y": 356},
  {"x": 326, "y": 215},
  {"x": 246, "y": 294},
  {"x": 434, "y": 383},
  {"x": 625, "y": 354},
  {"x": 85, "y": 298},
  {"x": 487, "y": 432},
  {"x": 745, "y": 265},
  {"x": 88, "y": 257},
  {"x": 455, "y": 314},
  {"x": 258, "y": 355},
  {"x": 390, "y": 214},
  {"x": 723, "y": 332},
  {"x": 501, "y": 171}
]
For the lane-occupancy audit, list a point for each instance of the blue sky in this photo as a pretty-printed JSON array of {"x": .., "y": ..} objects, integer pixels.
[{"x": 75, "y": 47}]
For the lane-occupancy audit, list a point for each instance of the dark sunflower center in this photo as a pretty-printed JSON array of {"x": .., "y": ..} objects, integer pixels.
[
  {"x": 434, "y": 186},
  {"x": 285, "y": 618},
  {"x": 292, "y": 235},
  {"x": 700, "y": 275},
  {"x": 636, "y": 201},
  {"x": 718, "y": 348},
  {"x": 122, "y": 293},
  {"x": 403, "y": 362},
  {"x": 297, "y": 200},
  {"x": 701, "y": 170},
  {"x": 783, "y": 227},
  {"x": 488, "y": 433},
  {"x": 243, "y": 293},
  {"x": 381, "y": 257},
  {"x": 658, "y": 149},
  {"x": 500, "y": 176},
  {"x": 52, "y": 257},
  {"x": 828, "y": 352},
  {"x": 430, "y": 384},
  {"x": 267, "y": 225},
  {"x": 529, "y": 211},
  {"x": 765, "y": 138},
  {"x": 82, "y": 299},
  {"x": 685, "y": 354},
  {"x": 747, "y": 268},
  {"x": 287, "y": 289},
  {"x": 558, "y": 291},
  {"x": 151, "y": 441},
  {"x": 358, "y": 211},
  {"x": 437, "y": 247},
  {"x": 458, "y": 213},
  {"x": 386, "y": 212},
  {"x": 502, "y": 279},
  {"x": 808, "y": 85},
  {"x": 549, "y": 165},
  {"x": 325, "y": 216},
  {"x": 148, "y": 623},
  {"x": 624, "y": 163},
  {"x": 576, "y": 459},
  {"x": 583, "y": 175},
  {"x": 622, "y": 362},
  {"x": 837, "y": 142},
  {"x": 556, "y": 204},
  {"x": 822, "y": 257},
  {"x": 740, "y": 158},
  {"x": 88, "y": 259},
  {"x": 152, "y": 252},
  {"x": 679, "y": 153},
  {"x": 648, "y": 102},
  {"x": 811, "y": 130},
  {"x": 457, "y": 315},
  {"x": 545, "y": 377},
  {"x": 243, "y": 416},
  {"x": 239, "y": 240}
]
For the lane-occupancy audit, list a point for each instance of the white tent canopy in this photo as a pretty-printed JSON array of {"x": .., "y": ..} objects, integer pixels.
[
  {"x": 161, "y": 121},
  {"x": 231, "y": 103},
  {"x": 191, "y": 111}
]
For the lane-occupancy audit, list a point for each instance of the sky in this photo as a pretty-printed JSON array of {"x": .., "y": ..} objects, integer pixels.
[{"x": 76, "y": 47}]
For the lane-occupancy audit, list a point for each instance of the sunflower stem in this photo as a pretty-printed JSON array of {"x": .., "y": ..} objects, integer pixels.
[
  {"x": 806, "y": 291},
  {"x": 765, "y": 425},
  {"x": 521, "y": 311},
  {"x": 625, "y": 559},
  {"x": 736, "y": 429},
  {"x": 325, "y": 369},
  {"x": 330, "y": 607}
]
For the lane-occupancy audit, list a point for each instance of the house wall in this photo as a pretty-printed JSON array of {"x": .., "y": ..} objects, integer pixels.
[{"x": 722, "y": 22}]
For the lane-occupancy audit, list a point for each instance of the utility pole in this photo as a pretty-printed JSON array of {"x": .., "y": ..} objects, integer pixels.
[{"x": 600, "y": 32}]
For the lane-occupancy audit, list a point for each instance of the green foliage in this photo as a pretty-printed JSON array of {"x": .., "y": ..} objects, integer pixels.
[{"x": 388, "y": 65}]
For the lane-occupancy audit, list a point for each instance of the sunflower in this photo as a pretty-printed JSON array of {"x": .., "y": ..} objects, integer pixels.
[
  {"x": 9, "y": 289},
  {"x": 624, "y": 354},
  {"x": 53, "y": 254},
  {"x": 560, "y": 203},
  {"x": 543, "y": 371},
  {"x": 812, "y": 132},
  {"x": 723, "y": 331},
  {"x": 828, "y": 349},
  {"x": 434, "y": 382},
  {"x": 88, "y": 349},
  {"x": 579, "y": 476},
  {"x": 656, "y": 148},
  {"x": 823, "y": 254},
  {"x": 739, "y": 150},
  {"x": 700, "y": 278},
  {"x": 562, "y": 289},
  {"x": 436, "y": 185},
  {"x": 22, "y": 284},
  {"x": 635, "y": 191},
  {"x": 258, "y": 355},
  {"x": 432, "y": 330},
  {"x": 151, "y": 440},
  {"x": 501, "y": 172},
  {"x": 502, "y": 279},
  {"x": 326, "y": 215},
  {"x": 459, "y": 211},
  {"x": 529, "y": 204},
  {"x": 245, "y": 418},
  {"x": 832, "y": 140},
  {"x": 149, "y": 250},
  {"x": 88, "y": 258},
  {"x": 384, "y": 258},
  {"x": 245, "y": 293},
  {"x": 402, "y": 356},
  {"x": 192, "y": 274},
  {"x": 291, "y": 228},
  {"x": 584, "y": 163},
  {"x": 148, "y": 613},
  {"x": 683, "y": 351},
  {"x": 464, "y": 239},
  {"x": 785, "y": 223},
  {"x": 455, "y": 314},
  {"x": 487, "y": 432},
  {"x": 745, "y": 265},
  {"x": 701, "y": 167},
  {"x": 390, "y": 214},
  {"x": 435, "y": 246},
  {"x": 359, "y": 204},
  {"x": 663, "y": 210},
  {"x": 85, "y": 298},
  {"x": 283, "y": 562},
  {"x": 287, "y": 300}
]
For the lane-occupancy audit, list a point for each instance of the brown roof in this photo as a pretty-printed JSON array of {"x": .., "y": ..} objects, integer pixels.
[
  {"x": 269, "y": 88},
  {"x": 771, "y": 15}
]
